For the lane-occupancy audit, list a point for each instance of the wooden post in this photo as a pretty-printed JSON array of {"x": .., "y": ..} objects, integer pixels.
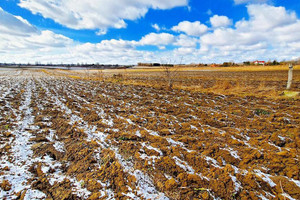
[{"x": 290, "y": 78}]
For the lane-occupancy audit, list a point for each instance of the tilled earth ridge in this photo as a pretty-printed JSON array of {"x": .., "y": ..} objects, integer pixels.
[{"x": 64, "y": 138}]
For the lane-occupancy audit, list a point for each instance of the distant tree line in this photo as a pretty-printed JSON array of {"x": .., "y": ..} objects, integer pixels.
[
  {"x": 268, "y": 63},
  {"x": 154, "y": 64},
  {"x": 68, "y": 66}
]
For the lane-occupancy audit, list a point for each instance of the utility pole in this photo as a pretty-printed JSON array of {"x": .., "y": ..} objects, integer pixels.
[{"x": 290, "y": 78}]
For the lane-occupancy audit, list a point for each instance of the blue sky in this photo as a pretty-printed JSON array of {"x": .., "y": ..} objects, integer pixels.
[{"x": 131, "y": 31}]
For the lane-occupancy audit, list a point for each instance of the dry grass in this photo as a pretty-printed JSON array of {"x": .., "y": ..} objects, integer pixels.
[
  {"x": 263, "y": 81},
  {"x": 182, "y": 68}
]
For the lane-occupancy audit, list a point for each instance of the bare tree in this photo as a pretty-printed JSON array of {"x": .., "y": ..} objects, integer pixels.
[
  {"x": 170, "y": 73},
  {"x": 100, "y": 74},
  {"x": 87, "y": 73}
]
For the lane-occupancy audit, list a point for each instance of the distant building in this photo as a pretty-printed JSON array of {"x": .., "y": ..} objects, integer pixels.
[{"x": 259, "y": 62}]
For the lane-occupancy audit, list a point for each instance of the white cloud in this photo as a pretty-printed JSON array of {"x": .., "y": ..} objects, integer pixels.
[
  {"x": 109, "y": 51},
  {"x": 18, "y": 34},
  {"x": 191, "y": 28},
  {"x": 223, "y": 37},
  {"x": 49, "y": 39},
  {"x": 96, "y": 14},
  {"x": 186, "y": 41},
  {"x": 250, "y": 1},
  {"x": 46, "y": 46},
  {"x": 22, "y": 42},
  {"x": 15, "y": 25},
  {"x": 101, "y": 31},
  {"x": 220, "y": 21},
  {"x": 183, "y": 51},
  {"x": 268, "y": 33},
  {"x": 265, "y": 17},
  {"x": 157, "y": 39},
  {"x": 156, "y": 27}
]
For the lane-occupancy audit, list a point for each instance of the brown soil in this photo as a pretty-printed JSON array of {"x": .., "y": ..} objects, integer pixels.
[{"x": 107, "y": 137}]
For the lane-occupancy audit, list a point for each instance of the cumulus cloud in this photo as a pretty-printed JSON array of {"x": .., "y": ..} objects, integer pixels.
[
  {"x": 191, "y": 28},
  {"x": 157, "y": 39},
  {"x": 268, "y": 29},
  {"x": 185, "y": 41},
  {"x": 96, "y": 14},
  {"x": 265, "y": 17},
  {"x": 24, "y": 43},
  {"x": 110, "y": 52},
  {"x": 250, "y": 1},
  {"x": 220, "y": 21},
  {"x": 49, "y": 39},
  {"x": 269, "y": 33}
]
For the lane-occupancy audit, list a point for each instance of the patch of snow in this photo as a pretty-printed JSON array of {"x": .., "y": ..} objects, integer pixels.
[
  {"x": 233, "y": 153},
  {"x": 131, "y": 195},
  {"x": 151, "y": 159},
  {"x": 203, "y": 177},
  {"x": 78, "y": 190},
  {"x": 223, "y": 161},
  {"x": 34, "y": 194},
  {"x": 262, "y": 197},
  {"x": 237, "y": 184},
  {"x": 108, "y": 122},
  {"x": 138, "y": 133},
  {"x": 59, "y": 146},
  {"x": 236, "y": 170},
  {"x": 287, "y": 196},
  {"x": 281, "y": 138},
  {"x": 146, "y": 188},
  {"x": 153, "y": 133},
  {"x": 265, "y": 177},
  {"x": 152, "y": 148},
  {"x": 296, "y": 182},
  {"x": 279, "y": 148},
  {"x": 51, "y": 136},
  {"x": 184, "y": 165},
  {"x": 20, "y": 148},
  {"x": 168, "y": 176},
  {"x": 45, "y": 169},
  {"x": 213, "y": 161},
  {"x": 175, "y": 143},
  {"x": 129, "y": 121}
]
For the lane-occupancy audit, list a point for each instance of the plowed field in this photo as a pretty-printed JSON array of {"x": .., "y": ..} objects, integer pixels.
[{"x": 70, "y": 138}]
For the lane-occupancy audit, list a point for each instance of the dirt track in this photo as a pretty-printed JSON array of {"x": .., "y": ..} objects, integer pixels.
[{"x": 66, "y": 138}]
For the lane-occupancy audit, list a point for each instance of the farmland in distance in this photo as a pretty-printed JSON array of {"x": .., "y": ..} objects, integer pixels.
[{"x": 123, "y": 134}]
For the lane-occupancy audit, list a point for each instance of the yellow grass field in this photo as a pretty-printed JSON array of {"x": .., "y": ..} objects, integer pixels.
[
  {"x": 264, "y": 81},
  {"x": 180, "y": 68}
]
